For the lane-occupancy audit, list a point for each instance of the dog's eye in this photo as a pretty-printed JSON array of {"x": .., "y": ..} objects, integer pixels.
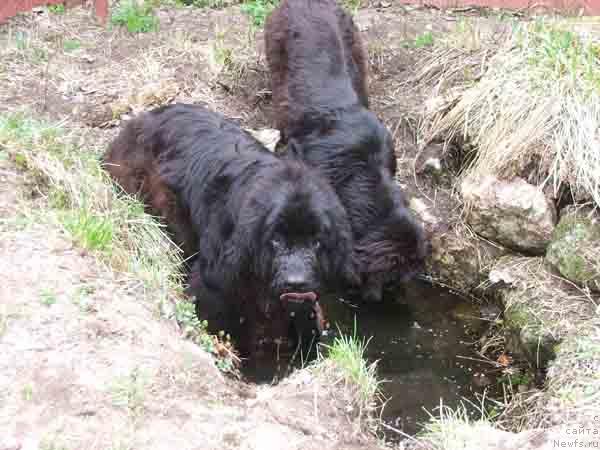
[
  {"x": 276, "y": 243},
  {"x": 317, "y": 244}
]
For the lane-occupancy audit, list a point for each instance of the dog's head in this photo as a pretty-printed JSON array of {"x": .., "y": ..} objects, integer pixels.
[
  {"x": 292, "y": 236},
  {"x": 393, "y": 250}
]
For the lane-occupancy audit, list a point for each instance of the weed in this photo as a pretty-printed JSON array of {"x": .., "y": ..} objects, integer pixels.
[
  {"x": 137, "y": 18},
  {"x": 82, "y": 298},
  {"x": 129, "y": 392},
  {"x": 221, "y": 54},
  {"x": 421, "y": 41},
  {"x": 347, "y": 353},
  {"x": 351, "y": 5},
  {"x": 27, "y": 392},
  {"x": 70, "y": 45},
  {"x": 453, "y": 429},
  {"x": 3, "y": 322},
  {"x": 515, "y": 379},
  {"x": 88, "y": 229},
  {"x": 57, "y": 9},
  {"x": 259, "y": 10},
  {"x": 220, "y": 345},
  {"x": 48, "y": 298},
  {"x": 213, "y": 4}
]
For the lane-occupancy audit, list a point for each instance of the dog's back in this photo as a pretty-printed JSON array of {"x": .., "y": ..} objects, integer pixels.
[{"x": 316, "y": 59}]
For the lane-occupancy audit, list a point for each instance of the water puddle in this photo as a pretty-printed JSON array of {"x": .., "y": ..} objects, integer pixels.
[{"x": 424, "y": 341}]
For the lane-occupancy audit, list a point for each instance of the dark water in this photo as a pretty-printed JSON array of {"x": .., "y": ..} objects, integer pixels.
[{"x": 422, "y": 339}]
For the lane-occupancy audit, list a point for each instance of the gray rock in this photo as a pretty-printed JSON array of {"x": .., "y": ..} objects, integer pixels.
[
  {"x": 540, "y": 308},
  {"x": 575, "y": 247},
  {"x": 460, "y": 259},
  {"x": 513, "y": 213}
]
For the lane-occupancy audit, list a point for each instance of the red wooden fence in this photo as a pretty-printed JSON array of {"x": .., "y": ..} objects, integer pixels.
[
  {"x": 9, "y": 8},
  {"x": 589, "y": 7}
]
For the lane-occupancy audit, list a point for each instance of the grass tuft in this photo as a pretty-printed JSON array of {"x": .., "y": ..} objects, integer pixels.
[
  {"x": 456, "y": 428},
  {"x": 84, "y": 201},
  {"x": 346, "y": 357},
  {"x": 136, "y": 17},
  {"x": 89, "y": 230},
  {"x": 259, "y": 10},
  {"x": 533, "y": 102}
]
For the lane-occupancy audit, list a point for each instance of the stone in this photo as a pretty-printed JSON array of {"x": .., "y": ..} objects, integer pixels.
[
  {"x": 575, "y": 247},
  {"x": 539, "y": 308},
  {"x": 461, "y": 260},
  {"x": 268, "y": 137},
  {"x": 513, "y": 213}
]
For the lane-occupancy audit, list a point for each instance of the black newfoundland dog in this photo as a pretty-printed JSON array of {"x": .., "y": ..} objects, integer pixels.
[
  {"x": 269, "y": 235},
  {"x": 318, "y": 70}
]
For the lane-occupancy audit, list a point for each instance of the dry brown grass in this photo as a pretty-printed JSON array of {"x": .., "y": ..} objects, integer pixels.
[{"x": 531, "y": 101}]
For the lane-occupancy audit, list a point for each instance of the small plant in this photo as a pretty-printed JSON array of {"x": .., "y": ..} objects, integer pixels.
[
  {"x": 27, "y": 392},
  {"x": 57, "y": 9},
  {"x": 220, "y": 346},
  {"x": 421, "y": 41},
  {"x": 90, "y": 230},
  {"x": 259, "y": 10},
  {"x": 129, "y": 392},
  {"x": 47, "y": 298},
  {"x": 214, "y": 4},
  {"x": 137, "y": 18},
  {"x": 515, "y": 378},
  {"x": 70, "y": 45},
  {"x": 82, "y": 298},
  {"x": 222, "y": 55},
  {"x": 347, "y": 353},
  {"x": 351, "y": 5}
]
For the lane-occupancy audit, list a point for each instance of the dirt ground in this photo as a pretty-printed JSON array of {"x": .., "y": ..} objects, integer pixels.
[{"x": 83, "y": 363}]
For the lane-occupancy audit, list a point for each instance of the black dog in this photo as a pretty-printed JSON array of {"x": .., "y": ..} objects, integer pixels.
[
  {"x": 270, "y": 234},
  {"x": 318, "y": 69}
]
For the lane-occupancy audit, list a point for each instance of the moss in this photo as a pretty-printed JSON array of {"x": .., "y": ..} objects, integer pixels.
[{"x": 572, "y": 249}]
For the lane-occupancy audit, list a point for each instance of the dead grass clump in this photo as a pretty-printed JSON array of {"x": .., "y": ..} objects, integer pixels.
[{"x": 532, "y": 105}]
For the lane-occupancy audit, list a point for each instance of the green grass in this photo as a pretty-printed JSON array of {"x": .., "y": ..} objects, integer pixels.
[
  {"x": 213, "y": 4},
  {"x": 455, "y": 428},
  {"x": 48, "y": 298},
  {"x": 135, "y": 17},
  {"x": 89, "y": 230},
  {"x": 259, "y": 10},
  {"x": 70, "y": 45},
  {"x": 27, "y": 392},
  {"x": 57, "y": 9},
  {"x": 130, "y": 391},
  {"x": 347, "y": 354},
  {"x": 421, "y": 41},
  {"x": 195, "y": 330}
]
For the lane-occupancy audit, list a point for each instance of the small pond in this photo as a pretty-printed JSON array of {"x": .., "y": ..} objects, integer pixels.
[{"x": 424, "y": 341}]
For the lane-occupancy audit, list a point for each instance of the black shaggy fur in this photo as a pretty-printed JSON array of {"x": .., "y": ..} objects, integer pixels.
[
  {"x": 261, "y": 226},
  {"x": 319, "y": 90}
]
